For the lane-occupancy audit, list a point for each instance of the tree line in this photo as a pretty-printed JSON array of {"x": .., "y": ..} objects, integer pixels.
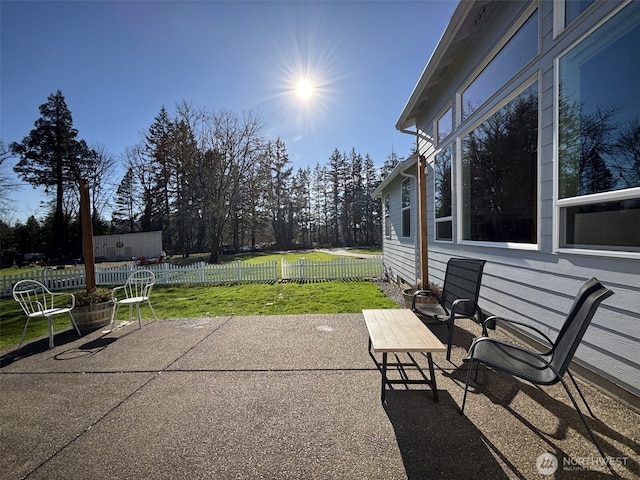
[{"x": 203, "y": 177}]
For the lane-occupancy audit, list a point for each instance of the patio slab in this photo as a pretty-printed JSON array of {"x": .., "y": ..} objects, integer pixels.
[{"x": 281, "y": 397}]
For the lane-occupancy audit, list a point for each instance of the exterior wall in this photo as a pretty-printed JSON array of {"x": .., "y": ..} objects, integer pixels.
[
  {"x": 126, "y": 246},
  {"x": 400, "y": 253},
  {"x": 537, "y": 284}
]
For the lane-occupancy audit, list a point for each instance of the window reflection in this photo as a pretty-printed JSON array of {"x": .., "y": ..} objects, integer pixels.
[
  {"x": 442, "y": 194},
  {"x": 599, "y": 109},
  {"x": 499, "y": 174},
  {"x": 445, "y": 125},
  {"x": 573, "y": 8},
  {"x": 520, "y": 48}
]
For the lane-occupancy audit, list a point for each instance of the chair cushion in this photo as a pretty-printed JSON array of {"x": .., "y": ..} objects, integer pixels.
[{"x": 513, "y": 360}]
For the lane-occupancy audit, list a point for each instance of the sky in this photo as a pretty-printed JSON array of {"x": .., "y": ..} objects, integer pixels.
[{"x": 117, "y": 63}]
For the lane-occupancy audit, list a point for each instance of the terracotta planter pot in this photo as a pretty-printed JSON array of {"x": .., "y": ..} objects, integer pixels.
[{"x": 91, "y": 317}]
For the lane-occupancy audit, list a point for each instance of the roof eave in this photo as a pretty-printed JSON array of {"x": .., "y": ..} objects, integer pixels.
[{"x": 416, "y": 99}]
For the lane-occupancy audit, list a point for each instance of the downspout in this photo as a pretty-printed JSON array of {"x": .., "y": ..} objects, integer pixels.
[{"x": 422, "y": 212}]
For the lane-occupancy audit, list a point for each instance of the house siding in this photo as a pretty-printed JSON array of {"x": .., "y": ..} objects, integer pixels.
[{"x": 536, "y": 284}]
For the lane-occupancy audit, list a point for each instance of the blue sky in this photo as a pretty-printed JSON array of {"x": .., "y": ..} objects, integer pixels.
[{"x": 118, "y": 62}]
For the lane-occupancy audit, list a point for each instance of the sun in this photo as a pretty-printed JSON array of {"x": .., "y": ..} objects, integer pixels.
[{"x": 304, "y": 88}]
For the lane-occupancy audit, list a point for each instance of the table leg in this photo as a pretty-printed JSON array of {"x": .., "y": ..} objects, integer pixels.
[
  {"x": 384, "y": 377},
  {"x": 433, "y": 377}
]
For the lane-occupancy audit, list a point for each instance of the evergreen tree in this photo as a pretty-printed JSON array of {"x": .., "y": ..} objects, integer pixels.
[
  {"x": 125, "y": 214},
  {"x": 50, "y": 156}
]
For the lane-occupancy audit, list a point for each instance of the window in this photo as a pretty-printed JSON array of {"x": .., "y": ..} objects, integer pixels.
[
  {"x": 598, "y": 137},
  {"x": 499, "y": 174},
  {"x": 387, "y": 219},
  {"x": 520, "y": 48},
  {"x": 573, "y": 8},
  {"x": 442, "y": 194},
  {"x": 444, "y": 125},
  {"x": 406, "y": 208}
]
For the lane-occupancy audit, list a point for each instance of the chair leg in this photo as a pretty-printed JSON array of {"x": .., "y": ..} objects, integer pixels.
[
  {"x": 466, "y": 385},
  {"x": 139, "y": 317},
  {"x": 449, "y": 338},
  {"x": 75, "y": 325},
  {"x": 113, "y": 315},
  {"x": 584, "y": 400},
  {"x": 50, "y": 321},
  {"x": 24, "y": 331},
  {"x": 584, "y": 422},
  {"x": 152, "y": 310}
]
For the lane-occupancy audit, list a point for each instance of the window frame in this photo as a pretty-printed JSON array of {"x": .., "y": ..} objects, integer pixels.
[
  {"x": 386, "y": 206},
  {"x": 504, "y": 100},
  {"x": 405, "y": 208},
  {"x": 561, "y": 204},
  {"x": 436, "y": 219},
  {"x": 459, "y": 118}
]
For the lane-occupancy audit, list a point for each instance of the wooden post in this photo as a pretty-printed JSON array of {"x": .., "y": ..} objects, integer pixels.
[
  {"x": 87, "y": 235},
  {"x": 422, "y": 220}
]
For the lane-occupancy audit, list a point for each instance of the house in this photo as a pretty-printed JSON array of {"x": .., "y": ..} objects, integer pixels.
[{"x": 527, "y": 121}]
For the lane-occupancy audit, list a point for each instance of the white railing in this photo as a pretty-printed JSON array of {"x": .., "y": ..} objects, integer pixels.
[{"x": 342, "y": 268}]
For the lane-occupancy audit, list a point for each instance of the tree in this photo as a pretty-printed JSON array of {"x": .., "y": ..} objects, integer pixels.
[
  {"x": 50, "y": 156},
  {"x": 125, "y": 214},
  {"x": 228, "y": 145},
  {"x": 6, "y": 185}
]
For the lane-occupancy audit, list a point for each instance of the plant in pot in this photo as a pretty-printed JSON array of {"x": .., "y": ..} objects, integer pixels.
[
  {"x": 429, "y": 294},
  {"x": 93, "y": 309}
]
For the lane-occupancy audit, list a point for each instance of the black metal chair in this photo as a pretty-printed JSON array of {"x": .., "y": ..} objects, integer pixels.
[
  {"x": 543, "y": 368},
  {"x": 459, "y": 297}
]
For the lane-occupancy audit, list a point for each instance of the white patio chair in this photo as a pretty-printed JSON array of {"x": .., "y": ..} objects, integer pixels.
[
  {"x": 137, "y": 289},
  {"x": 37, "y": 301}
]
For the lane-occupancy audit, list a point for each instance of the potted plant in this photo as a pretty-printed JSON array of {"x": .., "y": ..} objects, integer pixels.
[
  {"x": 430, "y": 296},
  {"x": 93, "y": 309}
]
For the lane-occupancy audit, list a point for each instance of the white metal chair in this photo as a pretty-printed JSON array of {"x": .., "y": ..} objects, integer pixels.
[
  {"x": 137, "y": 289},
  {"x": 37, "y": 301}
]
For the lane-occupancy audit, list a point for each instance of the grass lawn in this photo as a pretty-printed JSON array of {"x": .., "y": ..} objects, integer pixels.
[
  {"x": 208, "y": 301},
  {"x": 186, "y": 301}
]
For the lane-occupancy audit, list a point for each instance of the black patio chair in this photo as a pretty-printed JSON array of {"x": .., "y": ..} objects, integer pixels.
[
  {"x": 542, "y": 368},
  {"x": 459, "y": 297}
]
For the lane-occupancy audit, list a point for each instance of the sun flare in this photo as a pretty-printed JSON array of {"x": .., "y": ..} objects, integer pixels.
[{"x": 304, "y": 88}]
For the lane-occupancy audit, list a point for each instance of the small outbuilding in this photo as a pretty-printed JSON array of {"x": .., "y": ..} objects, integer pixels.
[{"x": 127, "y": 246}]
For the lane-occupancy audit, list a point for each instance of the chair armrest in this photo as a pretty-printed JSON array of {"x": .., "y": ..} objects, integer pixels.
[
  {"x": 496, "y": 318},
  {"x": 61, "y": 295},
  {"x": 113, "y": 292},
  {"x": 463, "y": 301}
]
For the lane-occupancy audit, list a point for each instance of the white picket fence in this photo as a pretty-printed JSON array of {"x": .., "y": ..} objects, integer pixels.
[{"x": 341, "y": 268}]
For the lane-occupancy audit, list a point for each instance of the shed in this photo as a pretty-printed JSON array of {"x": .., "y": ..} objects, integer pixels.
[{"x": 127, "y": 246}]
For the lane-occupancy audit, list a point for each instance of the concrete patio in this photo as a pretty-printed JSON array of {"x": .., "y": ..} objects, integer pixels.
[{"x": 282, "y": 397}]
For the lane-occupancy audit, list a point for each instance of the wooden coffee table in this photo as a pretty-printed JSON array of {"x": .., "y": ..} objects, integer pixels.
[{"x": 401, "y": 331}]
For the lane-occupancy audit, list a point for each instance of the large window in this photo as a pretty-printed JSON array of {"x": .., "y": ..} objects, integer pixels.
[
  {"x": 442, "y": 194},
  {"x": 599, "y": 137},
  {"x": 406, "y": 208},
  {"x": 520, "y": 48},
  {"x": 499, "y": 174}
]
